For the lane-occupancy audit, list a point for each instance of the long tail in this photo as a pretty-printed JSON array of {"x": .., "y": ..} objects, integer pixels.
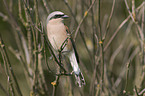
[{"x": 78, "y": 75}]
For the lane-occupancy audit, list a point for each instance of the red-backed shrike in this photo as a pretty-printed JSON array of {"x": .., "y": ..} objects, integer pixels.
[{"x": 57, "y": 34}]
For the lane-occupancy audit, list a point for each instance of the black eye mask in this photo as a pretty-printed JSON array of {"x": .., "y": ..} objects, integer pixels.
[{"x": 57, "y": 16}]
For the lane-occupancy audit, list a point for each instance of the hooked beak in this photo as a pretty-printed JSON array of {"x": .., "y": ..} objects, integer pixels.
[{"x": 65, "y": 16}]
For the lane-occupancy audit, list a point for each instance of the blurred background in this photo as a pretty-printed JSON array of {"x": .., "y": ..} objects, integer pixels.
[{"x": 109, "y": 36}]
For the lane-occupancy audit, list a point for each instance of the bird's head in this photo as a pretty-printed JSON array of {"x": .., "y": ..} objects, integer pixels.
[{"x": 56, "y": 16}]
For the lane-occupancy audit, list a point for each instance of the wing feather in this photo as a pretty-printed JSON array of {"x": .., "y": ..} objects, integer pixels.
[{"x": 73, "y": 44}]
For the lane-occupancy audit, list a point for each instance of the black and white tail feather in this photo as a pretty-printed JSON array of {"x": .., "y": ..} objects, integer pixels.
[
  {"x": 78, "y": 75},
  {"x": 80, "y": 79},
  {"x": 74, "y": 60}
]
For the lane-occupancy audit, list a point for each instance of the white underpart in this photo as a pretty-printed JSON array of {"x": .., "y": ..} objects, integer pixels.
[{"x": 74, "y": 63}]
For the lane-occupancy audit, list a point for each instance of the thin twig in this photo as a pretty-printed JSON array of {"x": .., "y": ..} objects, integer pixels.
[
  {"x": 142, "y": 28},
  {"x": 86, "y": 13},
  {"x": 55, "y": 85},
  {"x": 143, "y": 91},
  {"x": 115, "y": 33},
  {"x": 46, "y": 6},
  {"x": 120, "y": 26},
  {"x": 127, "y": 75},
  {"x": 120, "y": 46},
  {"x": 94, "y": 66},
  {"x": 129, "y": 11},
  {"x": 9, "y": 66},
  {"x": 35, "y": 38},
  {"x": 16, "y": 28},
  {"x": 109, "y": 19},
  {"x": 134, "y": 53},
  {"x": 136, "y": 91},
  {"x": 141, "y": 5},
  {"x": 102, "y": 47},
  {"x": 20, "y": 13},
  {"x": 133, "y": 9}
]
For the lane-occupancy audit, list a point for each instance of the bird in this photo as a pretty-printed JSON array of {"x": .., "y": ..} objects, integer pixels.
[{"x": 57, "y": 34}]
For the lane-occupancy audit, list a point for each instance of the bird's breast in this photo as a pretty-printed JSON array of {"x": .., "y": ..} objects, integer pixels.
[{"x": 57, "y": 35}]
